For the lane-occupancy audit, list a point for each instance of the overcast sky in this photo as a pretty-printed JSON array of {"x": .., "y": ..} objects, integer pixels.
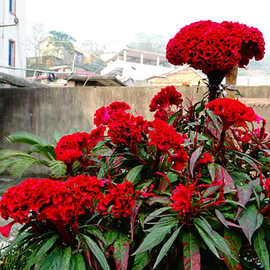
[{"x": 105, "y": 20}]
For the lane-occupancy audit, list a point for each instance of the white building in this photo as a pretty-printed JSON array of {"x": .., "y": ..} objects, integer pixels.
[
  {"x": 12, "y": 31},
  {"x": 136, "y": 64}
]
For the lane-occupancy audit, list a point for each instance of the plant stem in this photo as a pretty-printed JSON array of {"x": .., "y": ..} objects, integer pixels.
[{"x": 215, "y": 78}]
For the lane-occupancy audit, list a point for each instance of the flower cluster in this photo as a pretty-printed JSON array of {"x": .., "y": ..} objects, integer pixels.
[
  {"x": 104, "y": 115},
  {"x": 54, "y": 201},
  {"x": 120, "y": 199},
  {"x": 163, "y": 101},
  {"x": 191, "y": 199},
  {"x": 127, "y": 129},
  {"x": 78, "y": 145},
  {"x": 165, "y": 138},
  {"x": 211, "y": 46},
  {"x": 231, "y": 111}
]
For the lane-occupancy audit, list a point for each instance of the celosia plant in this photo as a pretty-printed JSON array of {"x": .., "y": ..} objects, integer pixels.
[
  {"x": 192, "y": 186},
  {"x": 215, "y": 48},
  {"x": 189, "y": 190}
]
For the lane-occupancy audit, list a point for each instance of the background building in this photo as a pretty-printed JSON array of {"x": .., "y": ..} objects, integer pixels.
[{"x": 12, "y": 31}]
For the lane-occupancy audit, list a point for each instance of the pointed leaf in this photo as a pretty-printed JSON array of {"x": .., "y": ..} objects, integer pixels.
[
  {"x": 155, "y": 214},
  {"x": 26, "y": 137},
  {"x": 234, "y": 242},
  {"x": 121, "y": 252},
  {"x": 217, "y": 172},
  {"x": 261, "y": 248},
  {"x": 250, "y": 220},
  {"x": 80, "y": 263},
  {"x": 243, "y": 194},
  {"x": 166, "y": 247},
  {"x": 97, "y": 233},
  {"x": 191, "y": 252},
  {"x": 53, "y": 261},
  {"x": 134, "y": 213},
  {"x": 97, "y": 252},
  {"x": 133, "y": 175},
  {"x": 219, "y": 242},
  {"x": 208, "y": 241},
  {"x": 153, "y": 239},
  {"x": 41, "y": 252},
  {"x": 66, "y": 259},
  {"x": 57, "y": 168},
  {"x": 141, "y": 261},
  {"x": 193, "y": 159},
  {"x": 18, "y": 168},
  {"x": 221, "y": 218},
  {"x": 110, "y": 237}
]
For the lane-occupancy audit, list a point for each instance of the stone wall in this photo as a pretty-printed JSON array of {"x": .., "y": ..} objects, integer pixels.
[{"x": 46, "y": 111}]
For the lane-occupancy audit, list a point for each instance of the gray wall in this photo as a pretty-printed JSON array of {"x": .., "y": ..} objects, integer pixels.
[{"x": 44, "y": 111}]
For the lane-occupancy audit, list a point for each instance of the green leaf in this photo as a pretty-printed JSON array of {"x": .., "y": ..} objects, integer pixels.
[
  {"x": 97, "y": 233},
  {"x": 57, "y": 168},
  {"x": 97, "y": 252},
  {"x": 221, "y": 218},
  {"x": 121, "y": 252},
  {"x": 141, "y": 261},
  {"x": 166, "y": 247},
  {"x": 110, "y": 237},
  {"x": 18, "y": 168},
  {"x": 17, "y": 161},
  {"x": 66, "y": 259},
  {"x": 250, "y": 220},
  {"x": 27, "y": 138},
  {"x": 72, "y": 265},
  {"x": 173, "y": 177},
  {"x": 5, "y": 163},
  {"x": 234, "y": 241},
  {"x": 155, "y": 214},
  {"x": 134, "y": 174},
  {"x": 48, "y": 151},
  {"x": 54, "y": 260},
  {"x": 219, "y": 242},
  {"x": 191, "y": 252},
  {"x": 80, "y": 263},
  {"x": 41, "y": 252},
  {"x": 261, "y": 248},
  {"x": 208, "y": 241},
  {"x": 153, "y": 239},
  {"x": 193, "y": 159}
]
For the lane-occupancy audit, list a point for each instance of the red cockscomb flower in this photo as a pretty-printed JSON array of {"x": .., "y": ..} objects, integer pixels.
[
  {"x": 78, "y": 145},
  {"x": 119, "y": 199},
  {"x": 231, "y": 111},
  {"x": 165, "y": 138},
  {"x": 126, "y": 129},
  {"x": 51, "y": 201},
  {"x": 211, "y": 46},
  {"x": 167, "y": 97},
  {"x": 104, "y": 115}
]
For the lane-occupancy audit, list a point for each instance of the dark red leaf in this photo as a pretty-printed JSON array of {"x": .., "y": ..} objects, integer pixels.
[
  {"x": 121, "y": 252},
  {"x": 191, "y": 252}
]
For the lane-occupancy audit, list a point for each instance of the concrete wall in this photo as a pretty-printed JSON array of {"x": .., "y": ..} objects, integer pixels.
[{"x": 45, "y": 111}]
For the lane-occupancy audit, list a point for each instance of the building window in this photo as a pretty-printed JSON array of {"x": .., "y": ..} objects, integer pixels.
[
  {"x": 12, "y": 6},
  {"x": 11, "y": 53}
]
